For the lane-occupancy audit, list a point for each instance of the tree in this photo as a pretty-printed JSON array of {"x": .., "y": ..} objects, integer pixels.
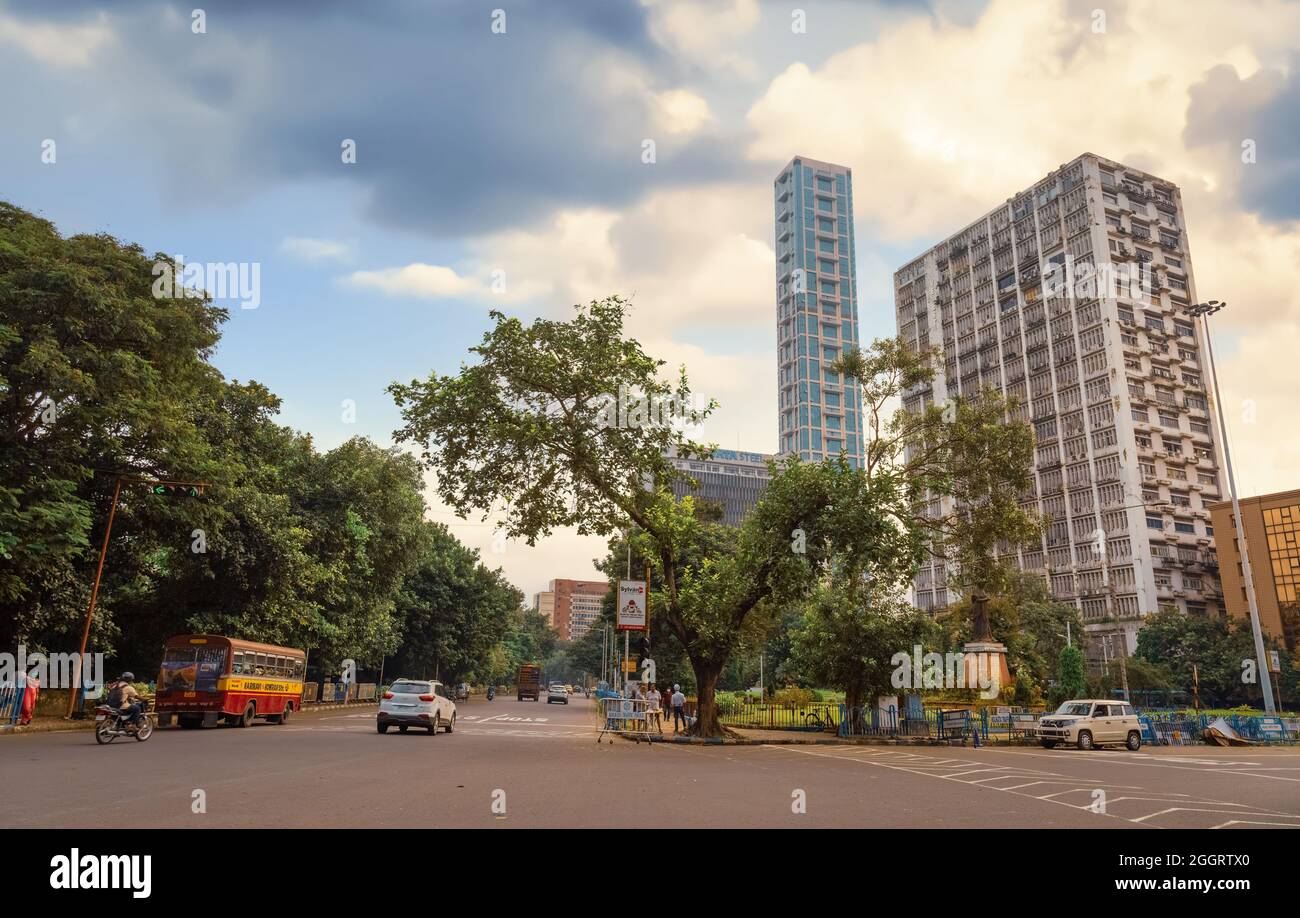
[
  {"x": 1070, "y": 681},
  {"x": 96, "y": 373},
  {"x": 543, "y": 426},
  {"x": 454, "y": 613},
  {"x": 977, "y": 451},
  {"x": 849, "y": 634}
]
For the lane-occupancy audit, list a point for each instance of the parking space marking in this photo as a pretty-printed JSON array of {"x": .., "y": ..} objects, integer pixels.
[{"x": 949, "y": 769}]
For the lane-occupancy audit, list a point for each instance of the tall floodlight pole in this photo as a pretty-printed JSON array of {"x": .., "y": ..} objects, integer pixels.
[{"x": 1204, "y": 311}]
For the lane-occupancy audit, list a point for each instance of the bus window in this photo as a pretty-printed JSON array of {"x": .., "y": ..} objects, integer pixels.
[
  {"x": 261, "y": 664},
  {"x": 298, "y": 666},
  {"x": 238, "y": 667},
  {"x": 280, "y": 668}
]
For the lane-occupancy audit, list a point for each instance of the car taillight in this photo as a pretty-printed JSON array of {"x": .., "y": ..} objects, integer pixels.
[
  {"x": 426, "y": 698},
  {"x": 388, "y": 694}
]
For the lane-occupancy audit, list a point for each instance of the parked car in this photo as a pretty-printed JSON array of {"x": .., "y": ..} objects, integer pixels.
[
  {"x": 1089, "y": 723},
  {"x": 557, "y": 693},
  {"x": 416, "y": 703}
]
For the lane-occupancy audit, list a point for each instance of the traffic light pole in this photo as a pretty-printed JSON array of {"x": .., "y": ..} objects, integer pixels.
[
  {"x": 196, "y": 489},
  {"x": 90, "y": 610}
]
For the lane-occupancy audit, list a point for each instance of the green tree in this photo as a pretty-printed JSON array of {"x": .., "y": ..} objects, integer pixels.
[
  {"x": 530, "y": 427},
  {"x": 849, "y": 634},
  {"x": 976, "y": 451},
  {"x": 96, "y": 374},
  {"x": 1070, "y": 681}
]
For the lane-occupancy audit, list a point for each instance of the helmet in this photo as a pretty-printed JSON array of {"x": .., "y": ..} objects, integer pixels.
[{"x": 126, "y": 677}]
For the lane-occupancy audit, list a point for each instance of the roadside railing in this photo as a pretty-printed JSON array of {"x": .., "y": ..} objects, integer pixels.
[{"x": 759, "y": 715}]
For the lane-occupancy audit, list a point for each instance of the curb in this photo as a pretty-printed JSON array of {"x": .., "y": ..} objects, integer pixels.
[{"x": 837, "y": 741}]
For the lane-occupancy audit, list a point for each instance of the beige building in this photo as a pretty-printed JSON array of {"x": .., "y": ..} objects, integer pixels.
[
  {"x": 1272, "y": 526},
  {"x": 544, "y": 604},
  {"x": 1072, "y": 297}
]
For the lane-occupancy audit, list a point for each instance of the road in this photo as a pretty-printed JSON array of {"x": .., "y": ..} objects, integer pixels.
[{"x": 541, "y": 764}]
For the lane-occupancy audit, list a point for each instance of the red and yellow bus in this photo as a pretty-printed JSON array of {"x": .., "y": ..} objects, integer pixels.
[{"x": 206, "y": 678}]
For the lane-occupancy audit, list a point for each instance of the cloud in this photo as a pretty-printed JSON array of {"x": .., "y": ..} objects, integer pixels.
[
  {"x": 1258, "y": 379},
  {"x": 316, "y": 249},
  {"x": 419, "y": 280},
  {"x": 58, "y": 45}
]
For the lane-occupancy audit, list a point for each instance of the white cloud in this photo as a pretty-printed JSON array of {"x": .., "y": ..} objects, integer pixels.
[
  {"x": 57, "y": 45},
  {"x": 316, "y": 249},
  {"x": 1259, "y": 383},
  {"x": 705, "y": 32},
  {"x": 420, "y": 280}
]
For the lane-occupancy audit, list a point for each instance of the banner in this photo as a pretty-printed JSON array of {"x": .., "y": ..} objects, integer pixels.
[{"x": 631, "y": 605}]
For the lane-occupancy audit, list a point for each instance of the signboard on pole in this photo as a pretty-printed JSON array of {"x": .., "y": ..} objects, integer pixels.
[{"x": 631, "y": 605}]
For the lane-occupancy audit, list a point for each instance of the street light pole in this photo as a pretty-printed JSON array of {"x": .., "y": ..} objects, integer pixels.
[{"x": 1204, "y": 311}]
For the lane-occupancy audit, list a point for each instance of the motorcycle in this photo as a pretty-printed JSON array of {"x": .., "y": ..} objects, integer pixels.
[
  {"x": 491, "y": 692},
  {"x": 111, "y": 723}
]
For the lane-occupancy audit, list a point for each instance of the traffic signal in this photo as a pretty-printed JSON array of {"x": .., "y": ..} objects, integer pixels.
[{"x": 177, "y": 490}]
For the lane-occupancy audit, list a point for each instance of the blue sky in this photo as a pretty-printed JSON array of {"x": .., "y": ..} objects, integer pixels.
[{"x": 520, "y": 153}]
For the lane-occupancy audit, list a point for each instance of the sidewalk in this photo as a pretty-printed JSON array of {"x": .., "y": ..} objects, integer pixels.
[{"x": 54, "y": 724}]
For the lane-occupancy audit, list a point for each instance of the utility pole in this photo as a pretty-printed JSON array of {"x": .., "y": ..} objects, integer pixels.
[
  {"x": 1204, "y": 311},
  {"x": 160, "y": 486}
]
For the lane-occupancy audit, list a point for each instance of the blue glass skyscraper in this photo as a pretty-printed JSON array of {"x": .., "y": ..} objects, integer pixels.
[{"x": 816, "y": 311}]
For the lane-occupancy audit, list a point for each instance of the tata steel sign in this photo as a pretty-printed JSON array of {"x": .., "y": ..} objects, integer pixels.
[{"x": 631, "y": 605}]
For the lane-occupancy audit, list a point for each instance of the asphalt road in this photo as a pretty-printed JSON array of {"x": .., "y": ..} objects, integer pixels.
[{"x": 541, "y": 764}]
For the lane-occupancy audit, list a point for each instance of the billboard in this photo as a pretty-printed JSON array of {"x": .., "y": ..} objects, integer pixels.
[{"x": 631, "y": 605}]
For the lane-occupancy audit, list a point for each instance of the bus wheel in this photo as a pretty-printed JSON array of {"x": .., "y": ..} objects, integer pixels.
[
  {"x": 288, "y": 709},
  {"x": 247, "y": 717}
]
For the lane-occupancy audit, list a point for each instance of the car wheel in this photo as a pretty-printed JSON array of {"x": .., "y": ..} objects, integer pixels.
[
  {"x": 451, "y": 724},
  {"x": 382, "y": 728},
  {"x": 1085, "y": 740},
  {"x": 1134, "y": 742},
  {"x": 1049, "y": 744},
  {"x": 401, "y": 728}
]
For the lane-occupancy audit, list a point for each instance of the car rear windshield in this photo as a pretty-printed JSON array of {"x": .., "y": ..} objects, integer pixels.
[{"x": 410, "y": 688}]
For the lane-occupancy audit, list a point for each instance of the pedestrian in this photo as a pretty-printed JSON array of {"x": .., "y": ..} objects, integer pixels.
[
  {"x": 679, "y": 703},
  {"x": 654, "y": 706}
]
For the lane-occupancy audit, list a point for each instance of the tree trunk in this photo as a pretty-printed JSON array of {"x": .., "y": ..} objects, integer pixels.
[
  {"x": 853, "y": 703},
  {"x": 706, "y": 707}
]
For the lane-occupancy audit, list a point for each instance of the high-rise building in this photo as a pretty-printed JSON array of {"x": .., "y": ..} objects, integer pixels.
[
  {"x": 1272, "y": 526},
  {"x": 544, "y": 605},
  {"x": 1072, "y": 297},
  {"x": 732, "y": 479},
  {"x": 577, "y": 605},
  {"x": 816, "y": 311}
]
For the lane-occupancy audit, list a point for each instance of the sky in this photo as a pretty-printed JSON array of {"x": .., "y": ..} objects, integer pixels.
[{"x": 500, "y": 163}]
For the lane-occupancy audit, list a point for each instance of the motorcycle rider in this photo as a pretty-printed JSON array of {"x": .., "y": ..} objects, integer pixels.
[{"x": 123, "y": 698}]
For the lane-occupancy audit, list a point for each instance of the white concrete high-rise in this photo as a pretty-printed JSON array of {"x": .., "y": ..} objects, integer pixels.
[{"x": 1072, "y": 298}]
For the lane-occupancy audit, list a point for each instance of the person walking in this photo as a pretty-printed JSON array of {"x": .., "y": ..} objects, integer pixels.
[
  {"x": 654, "y": 707},
  {"x": 679, "y": 703}
]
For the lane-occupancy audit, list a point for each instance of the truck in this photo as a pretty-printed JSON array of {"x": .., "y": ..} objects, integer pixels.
[{"x": 528, "y": 684}]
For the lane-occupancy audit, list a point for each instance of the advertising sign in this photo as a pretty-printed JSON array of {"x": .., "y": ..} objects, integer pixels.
[{"x": 631, "y": 605}]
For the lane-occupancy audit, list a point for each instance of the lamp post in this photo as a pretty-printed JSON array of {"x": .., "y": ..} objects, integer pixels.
[{"x": 1203, "y": 311}]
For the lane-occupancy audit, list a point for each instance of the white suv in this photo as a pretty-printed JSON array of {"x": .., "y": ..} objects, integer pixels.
[
  {"x": 416, "y": 703},
  {"x": 1089, "y": 723}
]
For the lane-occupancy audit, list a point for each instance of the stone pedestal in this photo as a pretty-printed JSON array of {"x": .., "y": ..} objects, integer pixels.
[{"x": 986, "y": 663}]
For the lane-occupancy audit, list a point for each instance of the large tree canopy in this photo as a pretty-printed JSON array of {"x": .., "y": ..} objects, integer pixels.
[
  {"x": 100, "y": 378},
  {"x": 528, "y": 430}
]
